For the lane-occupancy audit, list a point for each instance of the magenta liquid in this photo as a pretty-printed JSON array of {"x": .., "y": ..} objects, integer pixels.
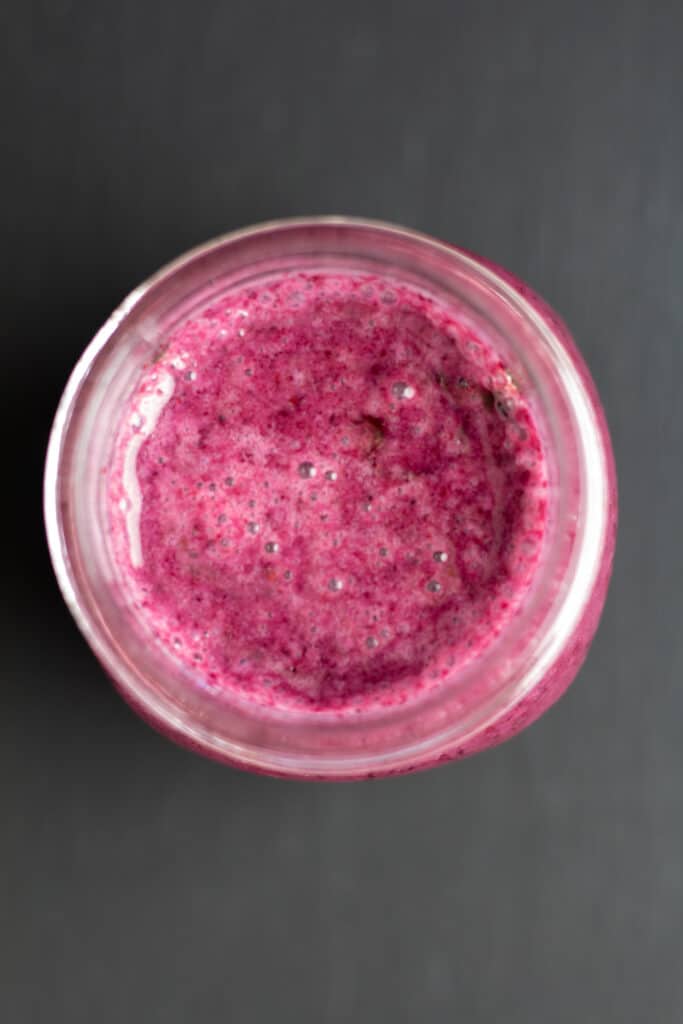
[{"x": 328, "y": 493}]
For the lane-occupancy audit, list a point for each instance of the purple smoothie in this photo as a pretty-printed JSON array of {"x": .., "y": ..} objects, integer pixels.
[{"x": 328, "y": 494}]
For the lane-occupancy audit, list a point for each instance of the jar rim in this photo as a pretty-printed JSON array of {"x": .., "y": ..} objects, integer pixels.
[{"x": 598, "y": 479}]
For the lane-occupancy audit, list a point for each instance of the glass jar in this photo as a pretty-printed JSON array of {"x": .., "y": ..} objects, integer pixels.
[{"x": 489, "y": 699}]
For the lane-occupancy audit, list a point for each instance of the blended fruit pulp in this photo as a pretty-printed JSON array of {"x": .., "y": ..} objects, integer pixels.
[{"x": 328, "y": 493}]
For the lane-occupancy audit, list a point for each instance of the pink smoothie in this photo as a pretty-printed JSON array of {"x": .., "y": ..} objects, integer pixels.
[{"x": 328, "y": 494}]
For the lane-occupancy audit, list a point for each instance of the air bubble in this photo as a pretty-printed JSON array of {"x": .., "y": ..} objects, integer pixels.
[
  {"x": 403, "y": 390},
  {"x": 253, "y": 527},
  {"x": 335, "y": 584},
  {"x": 272, "y": 547},
  {"x": 307, "y": 470},
  {"x": 331, "y": 474},
  {"x": 440, "y": 556},
  {"x": 434, "y": 586},
  {"x": 371, "y": 642}
]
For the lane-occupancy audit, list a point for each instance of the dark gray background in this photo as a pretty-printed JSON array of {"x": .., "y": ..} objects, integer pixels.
[{"x": 539, "y": 882}]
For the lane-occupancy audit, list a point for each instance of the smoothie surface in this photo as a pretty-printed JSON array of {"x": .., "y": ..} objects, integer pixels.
[{"x": 328, "y": 492}]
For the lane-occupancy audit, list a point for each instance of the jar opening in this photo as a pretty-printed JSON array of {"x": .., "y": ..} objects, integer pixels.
[{"x": 539, "y": 355}]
